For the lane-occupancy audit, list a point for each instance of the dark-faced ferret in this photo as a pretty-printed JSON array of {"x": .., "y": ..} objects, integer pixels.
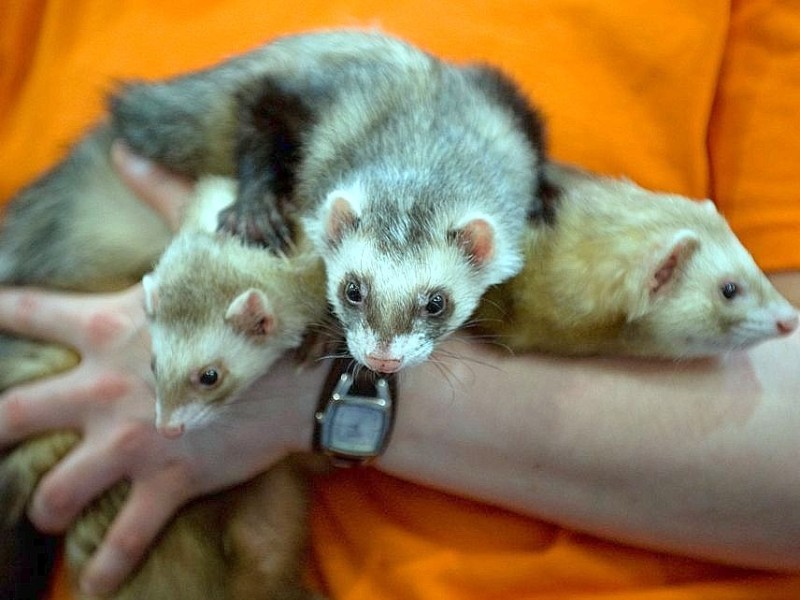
[
  {"x": 392, "y": 159},
  {"x": 623, "y": 270},
  {"x": 413, "y": 177},
  {"x": 221, "y": 314}
]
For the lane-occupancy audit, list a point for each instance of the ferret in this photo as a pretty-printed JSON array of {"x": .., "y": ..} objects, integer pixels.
[
  {"x": 77, "y": 228},
  {"x": 221, "y": 312},
  {"x": 623, "y": 270},
  {"x": 246, "y": 542},
  {"x": 372, "y": 127},
  {"x": 412, "y": 177}
]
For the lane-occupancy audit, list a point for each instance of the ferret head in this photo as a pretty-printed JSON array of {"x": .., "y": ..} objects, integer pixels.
[
  {"x": 211, "y": 337},
  {"x": 398, "y": 287},
  {"x": 700, "y": 292}
]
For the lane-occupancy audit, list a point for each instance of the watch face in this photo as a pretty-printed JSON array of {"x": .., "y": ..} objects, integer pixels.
[{"x": 356, "y": 428}]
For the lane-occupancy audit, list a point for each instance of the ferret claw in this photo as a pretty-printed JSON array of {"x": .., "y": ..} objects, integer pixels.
[{"x": 256, "y": 228}]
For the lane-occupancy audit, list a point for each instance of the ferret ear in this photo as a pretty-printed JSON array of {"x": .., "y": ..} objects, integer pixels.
[
  {"x": 663, "y": 267},
  {"x": 671, "y": 259},
  {"x": 342, "y": 209},
  {"x": 150, "y": 294},
  {"x": 251, "y": 314},
  {"x": 476, "y": 240}
]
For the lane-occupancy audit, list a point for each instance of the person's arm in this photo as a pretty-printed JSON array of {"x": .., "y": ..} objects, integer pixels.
[
  {"x": 692, "y": 457},
  {"x": 697, "y": 458}
]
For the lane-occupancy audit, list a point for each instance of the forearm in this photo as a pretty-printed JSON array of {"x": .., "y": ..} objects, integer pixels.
[{"x": 695, "y": 458}]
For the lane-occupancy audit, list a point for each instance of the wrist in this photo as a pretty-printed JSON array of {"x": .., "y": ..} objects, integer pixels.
[
  {"x": 281, "y": 404},
  {"x": 355, "y": 414}
]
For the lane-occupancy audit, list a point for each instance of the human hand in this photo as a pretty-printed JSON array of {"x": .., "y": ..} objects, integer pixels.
[{"x": 109, "y": 398}]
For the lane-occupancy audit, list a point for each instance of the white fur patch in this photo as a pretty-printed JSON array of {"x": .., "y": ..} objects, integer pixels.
[
  {"x": 189, "y": 416},
  {"x": 212, "y": 194},
  {"x": 397, "y": 283},
  {"x": 506, "y": 259}
]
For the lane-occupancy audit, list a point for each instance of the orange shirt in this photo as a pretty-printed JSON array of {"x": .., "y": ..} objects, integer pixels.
[{"x": 698, "y": 98}]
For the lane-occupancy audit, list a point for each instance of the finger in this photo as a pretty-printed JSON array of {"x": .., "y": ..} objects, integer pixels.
[
  {"x": 58, "y": 402},
  {"x": 72, "y": 484},
  {"x": 42, "y": 314},
  {"x": 164, "y": 191},
  {"x": 146, "y": 511}
]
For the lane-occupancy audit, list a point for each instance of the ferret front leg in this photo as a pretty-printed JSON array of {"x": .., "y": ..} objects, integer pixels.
[
  {"x": 271, "y": 125},
  {"x": 258, "y": 214}
]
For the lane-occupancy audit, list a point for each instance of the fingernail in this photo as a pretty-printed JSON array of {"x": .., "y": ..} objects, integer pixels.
[{"x": 138, "y": 166}]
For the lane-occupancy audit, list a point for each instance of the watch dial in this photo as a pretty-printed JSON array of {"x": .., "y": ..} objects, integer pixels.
[{"x": 356, "y": 429}]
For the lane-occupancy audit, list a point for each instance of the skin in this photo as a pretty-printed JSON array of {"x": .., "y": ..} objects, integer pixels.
[{"x": 685, "y": 457}]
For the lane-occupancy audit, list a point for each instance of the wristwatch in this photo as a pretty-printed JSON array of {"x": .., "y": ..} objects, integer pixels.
[{"x": 355, "y": 414}]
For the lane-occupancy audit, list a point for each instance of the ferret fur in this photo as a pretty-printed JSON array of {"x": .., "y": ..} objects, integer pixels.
[
  {"x": 76, "y": 228},
  {"x": 413, "y": 177},
  {"x": 248, "y": 542},
  {"x": 623, "y": 270},
  {"x": 217, "y": 304}
]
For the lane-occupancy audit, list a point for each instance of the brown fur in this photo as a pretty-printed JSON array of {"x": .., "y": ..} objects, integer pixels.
[{"x": 245, "y": 543}]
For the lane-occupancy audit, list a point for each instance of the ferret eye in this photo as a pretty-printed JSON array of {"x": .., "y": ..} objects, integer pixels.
[
  {"x": 353, "y": 292},
  {"x": 729, "y": 289},
  {"x": 436, "y": 305},
  {"x": 208, "y": 377}
]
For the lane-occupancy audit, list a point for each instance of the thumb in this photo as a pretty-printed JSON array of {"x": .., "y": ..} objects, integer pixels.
[{"x": 166, "y": 192}]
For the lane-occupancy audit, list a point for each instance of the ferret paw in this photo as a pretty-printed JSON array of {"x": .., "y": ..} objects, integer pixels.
[{"x": 257, "y": 227}]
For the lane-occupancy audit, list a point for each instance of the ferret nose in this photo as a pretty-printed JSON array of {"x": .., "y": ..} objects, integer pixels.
[
  {"x": 384, "y": 365},
  {"x": 787, "y": 325}
]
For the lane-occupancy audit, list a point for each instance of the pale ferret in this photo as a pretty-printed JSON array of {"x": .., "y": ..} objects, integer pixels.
[
  {"x": 221, "y": 313},
  {"x": 623, "y": 270},
  {"x": 413, "y": 177}
]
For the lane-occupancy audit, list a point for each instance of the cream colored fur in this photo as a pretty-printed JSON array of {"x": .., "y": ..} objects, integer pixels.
[{"x": 628, "y": 271}]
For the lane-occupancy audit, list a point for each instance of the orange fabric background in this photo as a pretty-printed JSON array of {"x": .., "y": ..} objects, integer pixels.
[{"x": 694, "y": 97}]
